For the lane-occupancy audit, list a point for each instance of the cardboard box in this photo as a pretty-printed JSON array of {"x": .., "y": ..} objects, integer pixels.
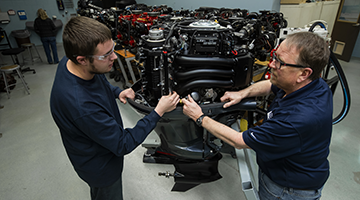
[{"x": 292, "y": 1}]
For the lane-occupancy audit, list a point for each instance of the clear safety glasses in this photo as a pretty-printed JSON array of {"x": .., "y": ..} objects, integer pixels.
[{"x": 103, "y": 57}]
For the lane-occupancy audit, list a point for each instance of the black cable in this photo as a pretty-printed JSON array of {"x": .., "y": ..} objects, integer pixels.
[
  {"x": 170, "y": 33},
  {"x": 345, "y": 87},
  {"x": 315, "y": 24},
  {"x": 342, "y": 78}
]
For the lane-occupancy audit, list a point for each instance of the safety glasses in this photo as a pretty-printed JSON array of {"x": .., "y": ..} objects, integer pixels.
[
  {"x": 103, "y": 57},
  {"x": 278, "y": 63}
]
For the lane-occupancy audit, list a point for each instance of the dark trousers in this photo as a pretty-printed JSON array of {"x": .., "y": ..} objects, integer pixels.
[
  {"x": 47, "y": 43},
  {"x": 112, "y": 192}
]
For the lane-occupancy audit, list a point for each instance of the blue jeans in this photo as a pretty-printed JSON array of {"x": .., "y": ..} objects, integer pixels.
[
  {"x": 47, "y": 42},
  {"x": 112, "y": 192},
  {"x": 269, "y": 190}
]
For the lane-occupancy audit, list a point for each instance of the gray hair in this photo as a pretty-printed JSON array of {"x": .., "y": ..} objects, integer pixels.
[{"x": 313, "y": 51}]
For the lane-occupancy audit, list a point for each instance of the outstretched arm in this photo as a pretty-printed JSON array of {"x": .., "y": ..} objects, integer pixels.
[{"x": 221, "y": 131}]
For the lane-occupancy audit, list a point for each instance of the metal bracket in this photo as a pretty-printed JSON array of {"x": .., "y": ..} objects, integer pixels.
[{"x": 245, "y": 163}]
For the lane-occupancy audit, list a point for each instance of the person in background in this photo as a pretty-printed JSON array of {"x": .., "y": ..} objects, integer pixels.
[
  {"x": 83, "y": 105},
  {"x": 46, "y": 29},
  {"x": 292, "y": 145}
]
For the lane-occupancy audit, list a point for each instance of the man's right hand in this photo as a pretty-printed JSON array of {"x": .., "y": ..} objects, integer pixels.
[
  {"x": 232, "y": 98},
  {"x": 167, "y": 103},
  {"x": 260, "y": 88}
]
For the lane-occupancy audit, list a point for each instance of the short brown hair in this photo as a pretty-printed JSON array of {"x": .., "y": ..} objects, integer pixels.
[
  {"x": 313, "y": 51},
  {"x": 81, "y": 36}
]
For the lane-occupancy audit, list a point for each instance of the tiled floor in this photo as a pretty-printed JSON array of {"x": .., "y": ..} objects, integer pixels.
[{"x": 34, "y": 165}]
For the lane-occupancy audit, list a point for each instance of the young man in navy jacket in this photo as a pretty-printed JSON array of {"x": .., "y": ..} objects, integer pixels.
[{"x": 83, "y": 105}]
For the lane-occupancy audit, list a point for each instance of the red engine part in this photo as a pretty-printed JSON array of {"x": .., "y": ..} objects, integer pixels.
[{"x": 146, "y": 18}]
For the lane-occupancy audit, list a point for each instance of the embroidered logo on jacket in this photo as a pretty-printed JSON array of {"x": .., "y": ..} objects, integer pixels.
[
  {"x": 270, "y": 115},
  {"x": 252, "y": 135}
]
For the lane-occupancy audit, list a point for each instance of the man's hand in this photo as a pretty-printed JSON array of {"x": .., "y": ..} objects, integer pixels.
[
  {"x": 128, "y": 93},
  {"x": 232, "y": 98},
  {"x": 191, "y": 108},
  {"x": 167, "y": 103},
  {"x": 260, "y": 88}
]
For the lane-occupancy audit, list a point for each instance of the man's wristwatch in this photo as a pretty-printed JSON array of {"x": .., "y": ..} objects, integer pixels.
[{"x": 199, "y": 120}]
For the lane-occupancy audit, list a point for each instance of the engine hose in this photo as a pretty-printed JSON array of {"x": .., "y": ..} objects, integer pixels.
[
  {"x": 345, "y": 88},
  {"x": 170, "y": 33},
  {"x": 342, "y": 78},
  {"x": 315, "y": 24}
]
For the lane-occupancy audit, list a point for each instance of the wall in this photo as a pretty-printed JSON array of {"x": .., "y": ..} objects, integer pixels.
[
  {"x": 31, "y": 7},
  {"x": 356, "y": 52}
]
